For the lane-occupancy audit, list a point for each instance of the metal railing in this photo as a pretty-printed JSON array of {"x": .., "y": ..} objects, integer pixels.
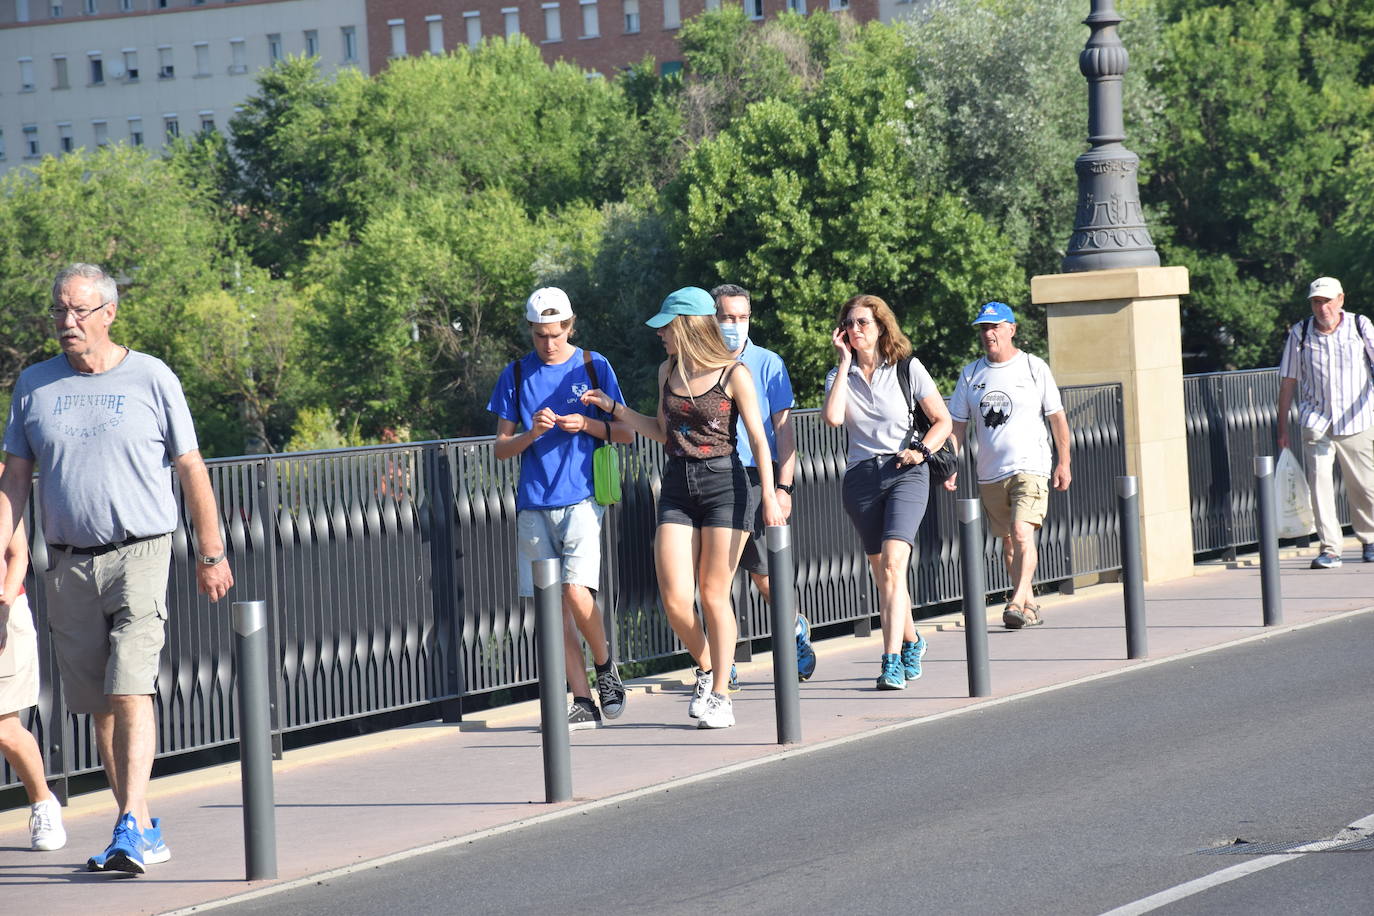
[{"x": 389, "y": 574}]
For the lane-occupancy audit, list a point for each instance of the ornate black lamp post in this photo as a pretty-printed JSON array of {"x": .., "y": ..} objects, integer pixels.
[{"x": 1109, "y": 228}]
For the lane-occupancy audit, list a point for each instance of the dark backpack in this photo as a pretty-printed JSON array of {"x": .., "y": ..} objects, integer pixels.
[{"x": 943, "y": 462}]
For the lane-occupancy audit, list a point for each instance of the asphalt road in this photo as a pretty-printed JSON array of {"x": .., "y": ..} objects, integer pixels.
[{"x": 1075, "y": 801}]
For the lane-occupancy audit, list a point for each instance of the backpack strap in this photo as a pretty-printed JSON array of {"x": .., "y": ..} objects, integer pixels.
[{"x": 515, "y": 364}]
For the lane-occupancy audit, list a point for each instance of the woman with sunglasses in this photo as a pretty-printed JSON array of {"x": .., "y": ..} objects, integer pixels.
[
  {"x": 886, "y": 482},
  {"x": 705, "y": 512}
]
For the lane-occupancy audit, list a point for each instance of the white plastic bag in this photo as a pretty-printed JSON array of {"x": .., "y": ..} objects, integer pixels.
[{"x": 1294, "y": 498}]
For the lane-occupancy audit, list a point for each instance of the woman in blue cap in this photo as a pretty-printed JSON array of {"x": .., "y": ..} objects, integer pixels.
[
  {"x": 886, "y": 482},
  {"x": 704, "y": 510}
]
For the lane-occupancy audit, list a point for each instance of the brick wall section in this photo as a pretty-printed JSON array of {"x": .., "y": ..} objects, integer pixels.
[{"x": 611, "y": 51}]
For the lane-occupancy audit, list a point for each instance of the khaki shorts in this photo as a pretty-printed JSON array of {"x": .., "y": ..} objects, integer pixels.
[
  {"x": 1018, "y": 498},
  {"x": 19, "y": 661},
  {"x": 108, "y": 615}
]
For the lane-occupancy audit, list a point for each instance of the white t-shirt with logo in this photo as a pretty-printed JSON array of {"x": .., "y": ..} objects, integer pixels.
[{"x": 1005, "y": 405}]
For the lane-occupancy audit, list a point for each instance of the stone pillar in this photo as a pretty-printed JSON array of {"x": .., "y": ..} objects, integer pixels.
[{"x": 1122, "y": 326}]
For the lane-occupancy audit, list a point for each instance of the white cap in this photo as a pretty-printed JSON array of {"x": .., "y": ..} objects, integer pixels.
[
  {"x": 549, "y": 297},
  {"x": 1326, "y": 287}
]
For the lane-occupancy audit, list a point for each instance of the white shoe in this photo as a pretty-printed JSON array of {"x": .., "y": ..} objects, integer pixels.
[
  {"x": 719, "y": 712},
  {"x": 46, "y": 832},
  {"x": 699, "y": 695}
]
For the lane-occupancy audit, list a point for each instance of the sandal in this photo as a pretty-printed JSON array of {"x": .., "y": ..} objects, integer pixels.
[
  {"x": 1032, "y": 615},
  {"x": 1013, "y": 617}
]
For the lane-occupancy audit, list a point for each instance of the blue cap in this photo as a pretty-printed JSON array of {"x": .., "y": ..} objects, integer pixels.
[
  {"x": 690, "y": 300},
  {"x": 995, "y": 313}
]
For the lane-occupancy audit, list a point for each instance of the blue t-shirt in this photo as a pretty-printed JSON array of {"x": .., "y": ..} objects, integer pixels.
[
  {"x": 774, "y": 389},
  {"x": 556, "y": 470}
]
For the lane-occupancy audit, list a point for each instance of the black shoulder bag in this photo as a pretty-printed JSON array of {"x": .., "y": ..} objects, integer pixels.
[{"x": 944, "y": 462}]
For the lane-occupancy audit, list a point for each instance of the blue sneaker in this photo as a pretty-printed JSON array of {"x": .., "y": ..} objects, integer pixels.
[
  {"x": 1326, "y": 560},
  {"x": 893, "y": 677},
  {"x": 734, "y": 680},
  {"x": 125, "y": 852},
  {"x": 1367, "y": 554},
  {"x": 155, "y": 852},
  {"x": 912, "y": 653},
  {"x": 806, "y": 656}
]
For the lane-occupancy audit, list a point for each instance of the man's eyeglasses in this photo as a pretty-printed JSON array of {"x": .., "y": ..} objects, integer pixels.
[
  {"x": 58, "y": 314},
  {"x": 857, "y": 322}
]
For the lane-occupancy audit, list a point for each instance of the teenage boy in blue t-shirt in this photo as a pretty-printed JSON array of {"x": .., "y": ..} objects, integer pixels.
[{"x": 557, "y": 516}]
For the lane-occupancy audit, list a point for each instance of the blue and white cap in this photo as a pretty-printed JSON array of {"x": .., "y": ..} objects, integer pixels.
[{"x": 995, "y": 313}]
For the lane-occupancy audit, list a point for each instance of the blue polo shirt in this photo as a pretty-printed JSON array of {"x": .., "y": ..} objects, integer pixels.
[{"x": 774, "y": 389}]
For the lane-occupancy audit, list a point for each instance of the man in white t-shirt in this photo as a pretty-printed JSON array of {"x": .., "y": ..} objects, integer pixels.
[{"x": 1009, "y": 395}]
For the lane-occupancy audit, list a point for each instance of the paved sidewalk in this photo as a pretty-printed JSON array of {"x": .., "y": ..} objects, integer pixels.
[{"x": 354, "y": 801}]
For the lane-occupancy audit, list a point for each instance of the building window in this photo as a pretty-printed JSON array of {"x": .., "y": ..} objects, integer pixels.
[
  {"x": 312, "y": 43},
  {"x": 553, "y": 22},
  {"x": 31, "y": 141},
  {"x": 162, "y": 4},
  {"x": 631, "y": 16},
  {"x": 670, "y": 68},
  {"x": 350, "y": 43},
  {"x": 207, "y": 122},
  {"x": 135, "y": 131},
  {"x": 130, "y": 64},
  {"x": 2, "y": 144},
  {"x": 672, "y": 14},
  {"x": 274, "y": 47},
  {"x": 398, "y": 37},
  {"x": 26, "y": 74},
  {"x": 57, "y": 11},
  {"x": 101, "y": 131},
  {"x": 238, "y": 56},
  {"x": 126, "y": 6},
  {"x": 591, "y": 24},
  {"x": 59, "y": 73},
  {"x": 64, "y": 137},
  {"x": 754, "y": 8},
  {"x": 91, "y": 8},
  {"x": 839, "y": 4},
  {"x": 21, "y": 11},
  {"x": 799, "y": 6},
  {"x": 434, "y": 25},
  {"x": 510, "y": 21},
  {"x": 97, "y": 70},
  {"x": 171, "y": 127},
  {"x": 165, "y": 70},
  {"x": 473, "y": 23},
  {"x": 202, "y": 58}
]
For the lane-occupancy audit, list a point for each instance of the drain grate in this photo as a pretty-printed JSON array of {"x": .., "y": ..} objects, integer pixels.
[{"x": 1243, "y": 848}]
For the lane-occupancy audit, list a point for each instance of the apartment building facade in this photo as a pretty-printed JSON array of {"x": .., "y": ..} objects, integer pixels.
[
  {"x": 597, "y": 35},
  {"x": 84, "y": 73}
]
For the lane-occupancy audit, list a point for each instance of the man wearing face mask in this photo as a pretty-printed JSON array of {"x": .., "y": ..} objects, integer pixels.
[{"x": 774, "y": 386}]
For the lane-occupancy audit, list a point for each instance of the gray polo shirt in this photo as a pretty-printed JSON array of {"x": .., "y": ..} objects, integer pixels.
[
  {"x": 875, "y": 415},
  {"x": 103, "y": 445}
]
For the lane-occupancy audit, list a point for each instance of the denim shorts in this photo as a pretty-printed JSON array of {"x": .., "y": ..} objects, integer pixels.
[
  {"x": 706, "y": 493},
  {"x": 568, "y": 533},
  {"x": 885, "y": 502}
]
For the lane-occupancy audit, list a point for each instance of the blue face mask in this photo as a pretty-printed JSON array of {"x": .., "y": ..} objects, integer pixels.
[{"x": 735, "y": 334}]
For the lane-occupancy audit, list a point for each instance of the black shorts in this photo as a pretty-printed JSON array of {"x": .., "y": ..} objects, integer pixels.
[
  {"x": 755, "y": 556},
  {"x": 706, "y": 493},
  {"x": 885, "y": 502}
]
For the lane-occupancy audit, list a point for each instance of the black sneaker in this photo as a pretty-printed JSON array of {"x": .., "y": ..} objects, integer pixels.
[
  {"x": 583, "y": 714},
  {"x": 610, "y": 691}
]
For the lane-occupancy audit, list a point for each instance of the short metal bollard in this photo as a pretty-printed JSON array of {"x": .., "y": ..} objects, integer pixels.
[
  {"x": 255, "y": 740},
  {"x": 975, "y": 595},
  {"x": 782, "y": 609},
  {"x": 1270, "y": 591},
  {"x": 553, "y": 680},
  {"x": 1132, "y": 573}
]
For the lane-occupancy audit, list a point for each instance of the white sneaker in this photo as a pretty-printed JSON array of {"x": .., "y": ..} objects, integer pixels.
[
  {"x": 699, "y": 695},
  {"x": 46, "y": 832},
  {"x": 719, "y": 712}
]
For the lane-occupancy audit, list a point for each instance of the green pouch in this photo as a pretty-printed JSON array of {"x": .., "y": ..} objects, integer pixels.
[{"x": 606, "y": 474}]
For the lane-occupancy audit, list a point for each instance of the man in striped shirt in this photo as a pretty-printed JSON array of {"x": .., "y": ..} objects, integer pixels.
[{"x": 1328, "y": 366}]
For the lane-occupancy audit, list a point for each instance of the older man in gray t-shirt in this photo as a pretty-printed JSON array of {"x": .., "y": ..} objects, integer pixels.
[{"x": 105, "y": 427}]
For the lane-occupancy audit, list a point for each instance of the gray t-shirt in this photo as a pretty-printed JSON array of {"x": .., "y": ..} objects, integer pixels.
[
  {"x": 875, "y": 415},
  {"x": 103, "y": 446}
]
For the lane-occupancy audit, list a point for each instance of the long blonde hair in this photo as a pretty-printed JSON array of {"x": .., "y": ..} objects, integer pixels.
[{"x": 699, "y": 344}]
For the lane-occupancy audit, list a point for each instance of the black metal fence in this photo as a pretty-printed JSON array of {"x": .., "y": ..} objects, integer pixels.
[{"x": 389, "y": 571}]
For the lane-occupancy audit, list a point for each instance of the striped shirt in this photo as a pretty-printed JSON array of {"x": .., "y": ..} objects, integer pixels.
[{"x": 1335, "y": 392}]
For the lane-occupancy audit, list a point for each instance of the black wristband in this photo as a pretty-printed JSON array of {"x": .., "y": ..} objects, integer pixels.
[
  {"x": 784, "y": 487},
  {"x": 922, "y": 448}
]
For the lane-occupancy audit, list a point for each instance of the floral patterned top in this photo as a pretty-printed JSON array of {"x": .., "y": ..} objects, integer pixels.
[{"x": 703, "y": 426}]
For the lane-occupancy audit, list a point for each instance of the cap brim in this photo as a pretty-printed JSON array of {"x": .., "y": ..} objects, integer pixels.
[{"x": 660, "y": 320}]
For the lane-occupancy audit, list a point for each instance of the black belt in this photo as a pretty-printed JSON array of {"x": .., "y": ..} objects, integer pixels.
[{"x": 100, "y": 549}]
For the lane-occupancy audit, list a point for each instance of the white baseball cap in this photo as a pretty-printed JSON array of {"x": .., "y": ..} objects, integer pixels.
[
  {"x": 544, "y": 299},
  {"x": 1326, "y": 287}
]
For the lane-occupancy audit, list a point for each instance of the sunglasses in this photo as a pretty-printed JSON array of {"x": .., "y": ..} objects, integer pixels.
[{"x": 856, "y": 323}]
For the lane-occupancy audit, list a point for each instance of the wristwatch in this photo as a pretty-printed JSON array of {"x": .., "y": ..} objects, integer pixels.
[
  {"x": 212, "y": 561},
  {"x": 784, "y": 487}
]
